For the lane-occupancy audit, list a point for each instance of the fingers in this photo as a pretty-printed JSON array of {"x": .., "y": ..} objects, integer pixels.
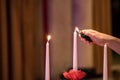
[
  {"x": 87, "y": 33},
  {"x": 84, "y": 40}
]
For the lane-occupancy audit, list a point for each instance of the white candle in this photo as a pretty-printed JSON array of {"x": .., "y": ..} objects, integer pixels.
[
  {"x": 75, "y": 63},
  {"x": 47, "y": 63},
  {"x": 105, "y": 67}
]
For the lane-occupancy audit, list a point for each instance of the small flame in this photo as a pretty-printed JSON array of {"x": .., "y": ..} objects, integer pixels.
[
  {"x": 76, "y": 28},
  {"x": 105, "y": 44},
  {"x": 48, "y": 37}
]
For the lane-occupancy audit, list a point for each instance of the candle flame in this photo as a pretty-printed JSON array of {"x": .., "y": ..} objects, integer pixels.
[
  {"x": 48, "y": 37},
  {"x": 76, "y": 29},
  {"x": 105, "y": 44}
]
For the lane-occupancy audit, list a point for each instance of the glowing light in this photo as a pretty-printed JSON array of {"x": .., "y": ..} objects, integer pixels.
[
  {"x": 76, "y": 29},
  {"x": 48, "y": 37}
]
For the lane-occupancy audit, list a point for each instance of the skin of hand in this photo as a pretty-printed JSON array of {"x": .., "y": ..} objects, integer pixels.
[
  {"x": 101, "y": 38},
  {"x": 97, "y": 37}
]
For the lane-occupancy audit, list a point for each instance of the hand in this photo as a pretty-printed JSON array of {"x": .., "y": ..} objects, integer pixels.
[
  {"x": 97, "y": 37},
  {"x": 101, "y": 38}
]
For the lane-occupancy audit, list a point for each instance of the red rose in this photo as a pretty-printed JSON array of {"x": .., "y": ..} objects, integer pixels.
[{"x": 74, "y": 74}]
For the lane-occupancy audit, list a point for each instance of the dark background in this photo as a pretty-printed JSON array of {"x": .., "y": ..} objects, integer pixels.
[{"x": 115, "y": 25}]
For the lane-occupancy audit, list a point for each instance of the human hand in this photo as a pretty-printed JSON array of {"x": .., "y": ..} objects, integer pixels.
[{"x": 97, "y": 37}]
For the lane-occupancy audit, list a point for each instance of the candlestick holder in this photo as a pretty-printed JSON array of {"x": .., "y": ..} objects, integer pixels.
[{"x": 74, "y": 74}]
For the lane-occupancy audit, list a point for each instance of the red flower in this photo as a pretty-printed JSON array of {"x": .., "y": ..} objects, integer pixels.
[{"x": 74, "y": 74}]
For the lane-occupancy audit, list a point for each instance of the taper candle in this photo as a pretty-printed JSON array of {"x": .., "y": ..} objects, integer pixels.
[
  {"x": 105, "y": 66},
  {"x": 47, "y": 62},
  {"x": 75, "y": 63}
]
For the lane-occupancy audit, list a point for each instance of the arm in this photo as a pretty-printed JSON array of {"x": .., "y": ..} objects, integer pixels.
[
  {"x": 114, "y": 44},
  {"x": 101, "y": 38}
]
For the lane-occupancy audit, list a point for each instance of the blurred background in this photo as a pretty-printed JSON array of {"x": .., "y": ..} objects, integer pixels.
[{"x": 25, "y": 24}]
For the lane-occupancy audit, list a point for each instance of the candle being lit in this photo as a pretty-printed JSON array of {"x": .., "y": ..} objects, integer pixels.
[
  {"x": 47, "y": 63},
  {"x": 105, "y": 67},
  {"x": 75, "y": 63},
  {"x": 76, "y": 28}
]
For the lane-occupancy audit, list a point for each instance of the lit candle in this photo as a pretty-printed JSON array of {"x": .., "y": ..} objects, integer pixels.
[
  {"x": 105, "y": 67},
  {"x": 75, "y": 63},
  {"x": 47, "y": 64}
]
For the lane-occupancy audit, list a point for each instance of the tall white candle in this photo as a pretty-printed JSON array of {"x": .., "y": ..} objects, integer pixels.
[
  {"x": 105, "y": 67},
  {"x": 47, "y": 62},
  {"x": 75, "y": 63}
]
